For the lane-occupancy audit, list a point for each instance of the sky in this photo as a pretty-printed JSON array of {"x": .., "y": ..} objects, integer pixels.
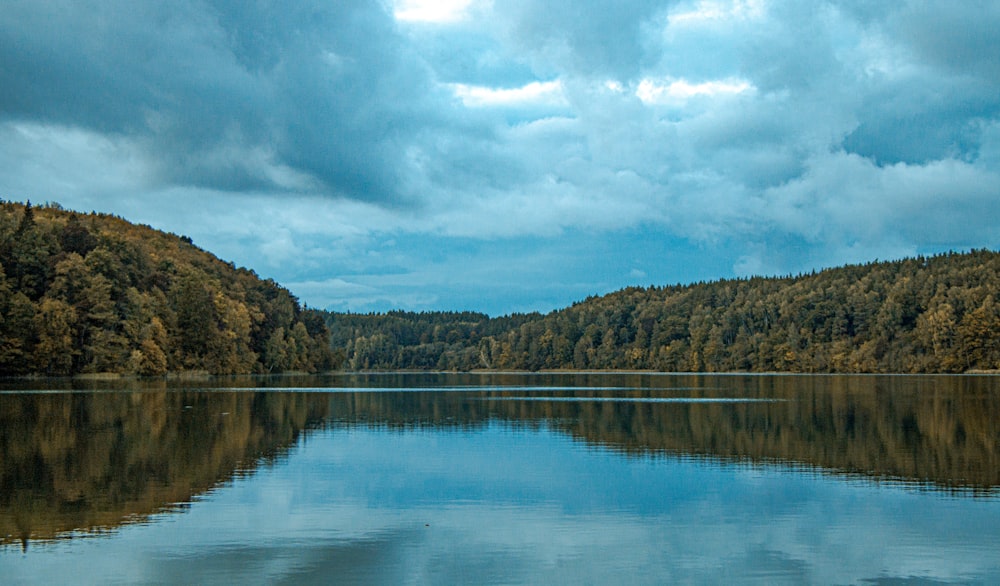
[{"x": 511, "y": 155}]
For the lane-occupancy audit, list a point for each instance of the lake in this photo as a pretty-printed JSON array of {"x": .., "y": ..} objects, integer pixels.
[{"x": 502, "y": 479}]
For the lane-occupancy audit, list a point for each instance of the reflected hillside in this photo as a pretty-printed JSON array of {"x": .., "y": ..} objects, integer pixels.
[
  {"x": 86, "y": 460},
  {"x": 925, "y": 431},
  {"x": 93, "y": 461},
  {"x": 942, "y": 431}
]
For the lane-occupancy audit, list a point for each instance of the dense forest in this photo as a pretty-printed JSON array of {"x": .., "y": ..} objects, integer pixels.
[
  {"x": 92, "y": 293},
  {"x": 933, "y": 314},
  {"x": 400, "y": 340}
]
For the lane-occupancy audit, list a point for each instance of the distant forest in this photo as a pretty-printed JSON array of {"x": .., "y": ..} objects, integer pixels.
[
  {"x": 93, "y": 293},
  {"x": 919, "y": 315}
]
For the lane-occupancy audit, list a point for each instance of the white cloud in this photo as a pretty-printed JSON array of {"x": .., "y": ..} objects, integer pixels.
[
  {"x": 615, "y": 86},
  {"x": 855, "y": 210},
  {"x": 548, "y": 93},
  {"x": 707, "y": 11},
  {"x": 431, "y": 11},
  {"x": 651, "y": 91}
]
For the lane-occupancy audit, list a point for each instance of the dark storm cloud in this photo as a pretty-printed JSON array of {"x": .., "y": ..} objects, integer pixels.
[
  {"x": 923, "y": 122},
  {"x": 228, "y": 95},
  {"x": 961, "y": 37},
  {"x": 599, "y": 37},
  {"x": 322, "y": 142}
]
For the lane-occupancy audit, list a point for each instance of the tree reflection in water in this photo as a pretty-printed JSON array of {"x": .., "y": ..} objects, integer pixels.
[{"x": 80, "y": 460}]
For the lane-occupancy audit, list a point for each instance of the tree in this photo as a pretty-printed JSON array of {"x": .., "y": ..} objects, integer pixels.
[
  {"x": 275, "y": 354},
  {"x": 76, "y": 238},
  {"x": 17, "y": 329},
  {"x": 54, "y": 351},
  {"x": 979, "y": 335}
]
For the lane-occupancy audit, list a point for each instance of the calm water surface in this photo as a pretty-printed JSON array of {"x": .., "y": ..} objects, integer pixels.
[{"x": 502, "y": 479}]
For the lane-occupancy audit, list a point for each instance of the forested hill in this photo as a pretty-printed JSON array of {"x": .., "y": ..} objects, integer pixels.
[
  {"x": 935, "y": 314},
  {"x": 92, "y": 293}
]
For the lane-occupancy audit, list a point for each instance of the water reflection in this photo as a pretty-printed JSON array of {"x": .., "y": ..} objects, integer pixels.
[
  {"x": 942, "y": 432},
  {"x": 494, "y": 504},
  {"x": 98, "y": 455},
  {"x": 93, "y": 461}
]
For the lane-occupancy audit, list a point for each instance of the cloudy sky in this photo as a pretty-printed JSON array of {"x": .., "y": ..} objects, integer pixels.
[{"x": 512, "y": 155}]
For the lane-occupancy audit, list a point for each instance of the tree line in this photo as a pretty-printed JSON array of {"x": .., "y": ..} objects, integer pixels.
[
  {"x": 917, "y": 315},
  {"x": 92, "y": 293},
  {"x": 401, "y": 340}
]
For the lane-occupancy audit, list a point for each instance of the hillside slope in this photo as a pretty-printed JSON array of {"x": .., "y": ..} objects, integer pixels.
[
  {"x": 936, "y": 314},
  {"x": 92, "y": 293}
]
